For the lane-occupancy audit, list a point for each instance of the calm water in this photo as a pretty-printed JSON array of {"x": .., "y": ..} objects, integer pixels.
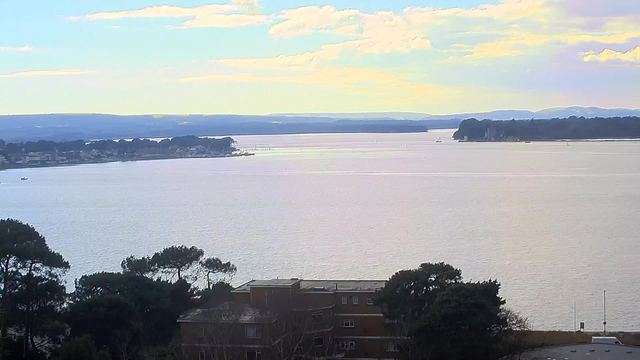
[{"x": 554, "y": 223}]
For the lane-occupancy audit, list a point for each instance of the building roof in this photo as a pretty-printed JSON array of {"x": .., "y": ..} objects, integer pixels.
[
  {"x": 285, "y": 283},
  {"x": 316, "y": 285},
  {"x": 228, "y": 312},
  {"x": 584, "y": 352}
]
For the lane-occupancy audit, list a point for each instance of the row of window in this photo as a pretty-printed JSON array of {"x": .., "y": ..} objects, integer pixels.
[
  {"x": 355, "y": 300},
  {"x": 250, "y": 331},
  {"x": 255, "y": 331},
  {"x": 250, "y": 355},
  {"x": 390, "y": 346},
  {"x": 347, "y": 323}
]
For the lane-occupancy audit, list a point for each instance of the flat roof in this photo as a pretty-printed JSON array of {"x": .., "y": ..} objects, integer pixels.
[
  {"x": 273, "y": 283},
  {"x": 316, "y": 285},
  {"x": 584, "y": 352},
  {"x": 227, "y": 312}
]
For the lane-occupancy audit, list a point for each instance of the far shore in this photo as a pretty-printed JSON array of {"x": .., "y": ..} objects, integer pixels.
[
  {"x": 14, "y": 166},
  {"x": 554, "y": 140}
]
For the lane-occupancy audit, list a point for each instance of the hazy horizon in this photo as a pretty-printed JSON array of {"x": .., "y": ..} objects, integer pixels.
[{"x": 324, "y": 113}]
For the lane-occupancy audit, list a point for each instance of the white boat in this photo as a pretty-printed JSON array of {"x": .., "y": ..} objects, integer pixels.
[
  {"x": 439, "y": 140},
  {"x": 24, "y": 178}
]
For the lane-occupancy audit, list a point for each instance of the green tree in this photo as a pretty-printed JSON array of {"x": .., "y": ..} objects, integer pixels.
[
  {"x": 217, "y": 294},
  {"x": 28, "y": 269},
  {"x": 138, "y": 266},
  {"x": 157, "y": 303},
  {"x": 464, "y": 323},
  {"x": 409, "y": 293},
  {"x": 175, "y": 260},
  {"x": 110, "y": 320},
  {"x": 436, "y": 316},
  {"x": 43, "y": 319},
  {"x": 213, "y": 266}
]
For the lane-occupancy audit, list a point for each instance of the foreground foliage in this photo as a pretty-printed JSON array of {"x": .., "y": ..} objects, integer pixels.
[
  {"x": 437, "y": 316},
  {"x": 128, "y": 315},
  {"x": 133, "y": 314}
]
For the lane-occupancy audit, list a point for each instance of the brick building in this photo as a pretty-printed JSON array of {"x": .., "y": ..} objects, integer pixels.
[{"x": 275, "y": 319}]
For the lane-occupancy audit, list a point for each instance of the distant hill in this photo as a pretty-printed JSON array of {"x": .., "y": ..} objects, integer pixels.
[
  {"x": 361, "y": 116},
  {"x": 65, "y": 127},
  {"x": 560, "y": 112}
]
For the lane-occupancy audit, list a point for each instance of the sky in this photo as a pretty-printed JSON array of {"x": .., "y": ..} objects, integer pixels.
[{"x": 276, "y": 56}]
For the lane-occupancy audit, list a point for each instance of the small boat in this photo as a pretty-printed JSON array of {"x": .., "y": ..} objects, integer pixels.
[
  {"x": 24, "y": 178},
  {"x": 439, "y": 140},
  {"x": 527, "y": 142}
]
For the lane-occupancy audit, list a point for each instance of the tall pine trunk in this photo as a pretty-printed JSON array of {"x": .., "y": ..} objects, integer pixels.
[
  {"x": 3, "y": 305},
  {"x": 27, "y": 315}
]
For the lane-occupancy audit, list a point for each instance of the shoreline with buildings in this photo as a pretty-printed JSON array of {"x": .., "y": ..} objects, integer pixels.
[
  {"x": 52, "y": 154},
  {"x": 46, "y": 164}
]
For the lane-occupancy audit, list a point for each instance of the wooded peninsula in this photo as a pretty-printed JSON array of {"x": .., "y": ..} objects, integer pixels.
[
  {"x": 573, "y": 128},
  {"x": 50, "y": 153}
]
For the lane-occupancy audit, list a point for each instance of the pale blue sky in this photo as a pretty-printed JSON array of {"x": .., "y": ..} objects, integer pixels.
[{"x": 243, "y": 56}]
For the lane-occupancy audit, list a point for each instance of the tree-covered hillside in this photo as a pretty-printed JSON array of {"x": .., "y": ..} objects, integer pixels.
[{"x": 554, "y": 129}]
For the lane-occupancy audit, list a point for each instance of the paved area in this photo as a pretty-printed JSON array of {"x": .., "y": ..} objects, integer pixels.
[{"x": 585, "y": 352}]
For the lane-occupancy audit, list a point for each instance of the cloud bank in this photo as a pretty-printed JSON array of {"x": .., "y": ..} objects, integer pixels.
[
  {"x": 41, "y": 73},
  {"x": 237, "y": 13},
  {"x": 606, "y": 55}
]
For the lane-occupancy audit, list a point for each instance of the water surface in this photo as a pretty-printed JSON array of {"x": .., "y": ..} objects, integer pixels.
[{"x": 554, "y": 223}]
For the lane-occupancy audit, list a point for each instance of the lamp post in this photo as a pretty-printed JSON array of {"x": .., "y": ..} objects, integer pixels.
[{"x": 604, "y": 305}]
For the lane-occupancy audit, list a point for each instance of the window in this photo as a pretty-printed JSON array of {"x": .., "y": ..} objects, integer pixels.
[
  {"x": 369, "y": 301},
  {"x": 318, "y": 317},
  {"x": 348, "y": 323},
  {"x": 345, "y": 300},
  {"x": 202, "y": 355},
  {"x": 393, "y": 346},
  {"x": 318, "y": 341},
  {"x": 252, "y": 332},
  {"x": 201, "y": 331},
  {"x": 254, "y": 355},
  {"x": 347, "y": 345},
  {"x": 354, "y": 300}
]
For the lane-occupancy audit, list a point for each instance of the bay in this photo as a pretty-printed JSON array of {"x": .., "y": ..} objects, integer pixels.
[{"x": 554, "y": 223}]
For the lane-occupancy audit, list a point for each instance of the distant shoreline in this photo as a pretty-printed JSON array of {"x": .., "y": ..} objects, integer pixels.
[
  {"x": 555, "y": 140},
  {"x": 569, "y": 129},
  {"x": 107, "y": 161}
]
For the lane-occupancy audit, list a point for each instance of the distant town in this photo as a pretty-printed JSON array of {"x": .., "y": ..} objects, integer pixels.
[{"x": 49, "y": 153}]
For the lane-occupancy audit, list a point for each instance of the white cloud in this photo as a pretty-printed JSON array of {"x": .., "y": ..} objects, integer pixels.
[
  {"x": 513, "y": 27},
  {"x": 162, "y": 11},
  {"x": 237, "y": 13},
  {"x": 380, "y": 33},
  {"x": 308, "y": 19},
  {"x": 304, "y": 61},
  {"x": 40, "y": 73},
  {"x": 506, "y": 10},
  {"x": 225, "y": 20},
  {"x": 248, "y": 6},
  {"x": 606, "y": 55},
  {"x": 16, "y": 49}
]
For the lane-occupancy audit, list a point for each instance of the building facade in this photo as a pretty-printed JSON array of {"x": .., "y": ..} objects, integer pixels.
[{"x": 291, "y": 318}]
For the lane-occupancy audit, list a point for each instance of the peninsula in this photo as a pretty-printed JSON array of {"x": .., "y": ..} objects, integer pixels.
[
  {"x": 572, "y": 128},
  {"x": 50, "y": 153}
]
